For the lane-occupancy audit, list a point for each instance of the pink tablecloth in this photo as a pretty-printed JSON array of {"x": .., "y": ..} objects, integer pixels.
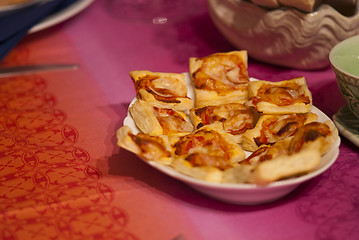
[{"x": 63, "y": 177}]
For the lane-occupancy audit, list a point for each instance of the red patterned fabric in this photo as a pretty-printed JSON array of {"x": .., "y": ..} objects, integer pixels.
[{"x": 47, "y": 188}]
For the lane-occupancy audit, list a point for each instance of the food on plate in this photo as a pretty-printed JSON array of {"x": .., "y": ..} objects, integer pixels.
[
  {"x": 239, "y": 173},
  {"x": 159, "y": 121},
  {"x": 236, "y": 118},
  {"x": 206, "y": 138},
  {"x": 220, "y": 78},
  {"x": 147, "y": 147},
  {"x": 163, "y": 90},
  {"x": 206, "y": 152},
  {"x": 292, "y": 156},
  {"x": 270, "y": 129},
  {"x": 288, "y": 96},
  {"x": 285, "y": 166},
  {"x": 315, "y": 135},
  {"x": 267, "y": 152}
]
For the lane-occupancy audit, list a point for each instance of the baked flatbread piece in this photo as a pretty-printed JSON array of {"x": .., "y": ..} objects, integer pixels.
[
  {"x": 220, "y": 78},
  {"x": 236, "y": 118},
  {"x": 314, "y": 135},
  {"x": 206, "y": 153},
  {"x": 276, "y": 162},
  {"x": 293, "y": 156},
  {"x": 270, "y": 129},
  {"x": 159, "y": 121},
  {"x": 284, "y": 97},
  {"x": 149, "y": 148},
  {"x": 163, "y": 90},
  {"x": 286, "y": 166}
]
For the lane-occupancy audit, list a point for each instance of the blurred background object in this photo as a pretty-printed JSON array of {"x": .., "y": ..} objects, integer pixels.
[
  {"x": 15, "y": 25},
  {"x": 285, "y": 36},
  {"x": 344, "y": 59},
  {"x": 10, "y": 6},
  {"x": 12, "y": 2},
  {"x": 346, "y": 7},
  {"x": 152, "y": 11}
]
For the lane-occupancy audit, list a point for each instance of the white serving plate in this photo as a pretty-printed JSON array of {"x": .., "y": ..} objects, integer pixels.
[
  {"x": 246, "y": 194},
  {"x": 61, "y": 16}
]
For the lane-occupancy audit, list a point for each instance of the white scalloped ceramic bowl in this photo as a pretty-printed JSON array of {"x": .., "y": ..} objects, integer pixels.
[{"x": 283, "y": 36}]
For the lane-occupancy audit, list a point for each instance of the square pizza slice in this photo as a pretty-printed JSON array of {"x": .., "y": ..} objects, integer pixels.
[
  {"x": 206, "y": 153},
  {"x": 147, "y": 147},
  {"x": 293, "y": 156},
  {"x": 159, "y": 121},
  {"x": 163, "y": 90},
  {"x": 286, "y": 166},
  {"x": 283, "y": 97},
  {"x": 314, "y": 135},
  {"x": 220, "y": 78},
  {"x": 271, "y": 128},
  {"x": 236, "y": 118},
  {"x": 276, "y": 162}
]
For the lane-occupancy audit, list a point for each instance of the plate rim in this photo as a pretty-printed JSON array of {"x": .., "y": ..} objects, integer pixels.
[{"x": 61, "y": 16}]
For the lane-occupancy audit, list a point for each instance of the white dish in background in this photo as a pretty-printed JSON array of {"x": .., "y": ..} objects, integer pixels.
[
  {"x": 347, "y": 124},
  {"x": 246, "y": 194},
  {"x": 62, "y": 15},
  {"x": 283, "y": 36},
  {"x": 9, "y": 8}
]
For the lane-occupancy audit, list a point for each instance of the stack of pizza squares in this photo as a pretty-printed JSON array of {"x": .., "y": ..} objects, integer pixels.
[{"x": 205, "y": 137}]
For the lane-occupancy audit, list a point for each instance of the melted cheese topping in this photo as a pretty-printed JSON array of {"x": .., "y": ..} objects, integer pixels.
[
  {"x": 166, "y": 89},
  {"x": 236, "y": 118},
  {"x": 286, "y": 94},
  {"x": 279, "y": 127},
  {"x": 220, "y": 72},
  {"x": 152, "y": 147},
  {"x": 204, "y": 144},
  {"x": 265, "y": 153},
  {"x": 171, "y": 121},
  {"x": 308, "y": 133},
  {"x": 203, "y": 159},
  {"x": 172, "y": 85}
]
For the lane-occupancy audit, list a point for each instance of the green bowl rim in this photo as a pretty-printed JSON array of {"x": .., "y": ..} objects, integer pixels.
[{"x": 333, "y": 65}]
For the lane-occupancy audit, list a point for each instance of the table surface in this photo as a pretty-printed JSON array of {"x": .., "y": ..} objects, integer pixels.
[{"x": 62, "y": 175}]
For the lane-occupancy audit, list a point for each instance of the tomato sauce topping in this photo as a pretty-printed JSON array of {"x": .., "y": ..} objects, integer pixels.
[
  {"x": 203, "y": 141},
  {"x": 274, "y": 129},
  {"x": 221, "y": 73},
  {"x": 171, "y": 121},
  {"x": 284, "y": 95},
  {"x": 202, "y": 159},
  {"x": 152, "y": 146},
  {"x": 160, "y": 94},
  {"x": 309, "y": 132},
  {"x": 236, "y": 118}
]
